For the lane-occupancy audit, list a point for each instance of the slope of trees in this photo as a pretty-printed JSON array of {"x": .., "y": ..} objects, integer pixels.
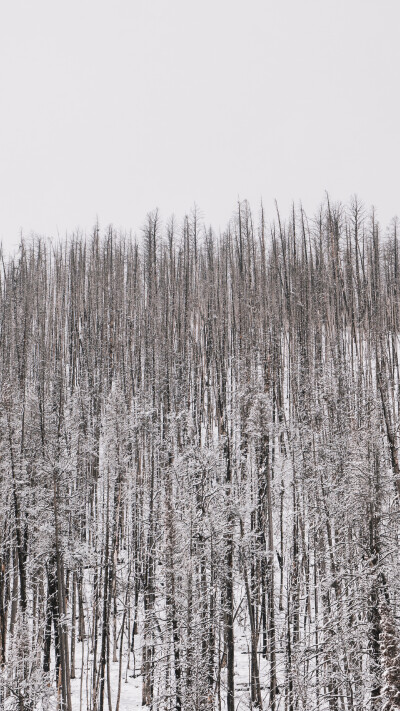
[{"x": 199, "y": 458}]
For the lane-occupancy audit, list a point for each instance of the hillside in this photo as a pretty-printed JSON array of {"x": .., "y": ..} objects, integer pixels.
[{"x": 199, "y": 473}]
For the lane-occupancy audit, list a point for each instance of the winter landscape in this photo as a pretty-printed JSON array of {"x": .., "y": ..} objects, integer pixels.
[
  {"x": 199, "y": 355},
  {"x": 199, "y": 478}
]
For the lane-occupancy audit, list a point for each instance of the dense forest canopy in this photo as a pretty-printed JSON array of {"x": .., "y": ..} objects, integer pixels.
[{"x": 199, "y": 472}]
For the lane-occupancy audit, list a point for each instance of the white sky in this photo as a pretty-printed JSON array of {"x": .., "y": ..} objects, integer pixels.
[{"x": 111, "y": 108}]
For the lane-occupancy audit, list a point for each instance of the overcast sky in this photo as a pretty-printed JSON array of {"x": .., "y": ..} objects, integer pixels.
[{"x": 112, "y": 108}]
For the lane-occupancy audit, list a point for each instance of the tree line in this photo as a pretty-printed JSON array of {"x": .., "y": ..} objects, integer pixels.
[{"x": 199, "y": 456}]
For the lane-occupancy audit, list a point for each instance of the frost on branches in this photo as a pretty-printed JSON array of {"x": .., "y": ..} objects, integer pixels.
[{"x": 199, "y": 472}]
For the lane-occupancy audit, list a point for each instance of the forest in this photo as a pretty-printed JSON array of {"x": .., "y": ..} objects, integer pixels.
[{"x": 199, "y": 466}]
